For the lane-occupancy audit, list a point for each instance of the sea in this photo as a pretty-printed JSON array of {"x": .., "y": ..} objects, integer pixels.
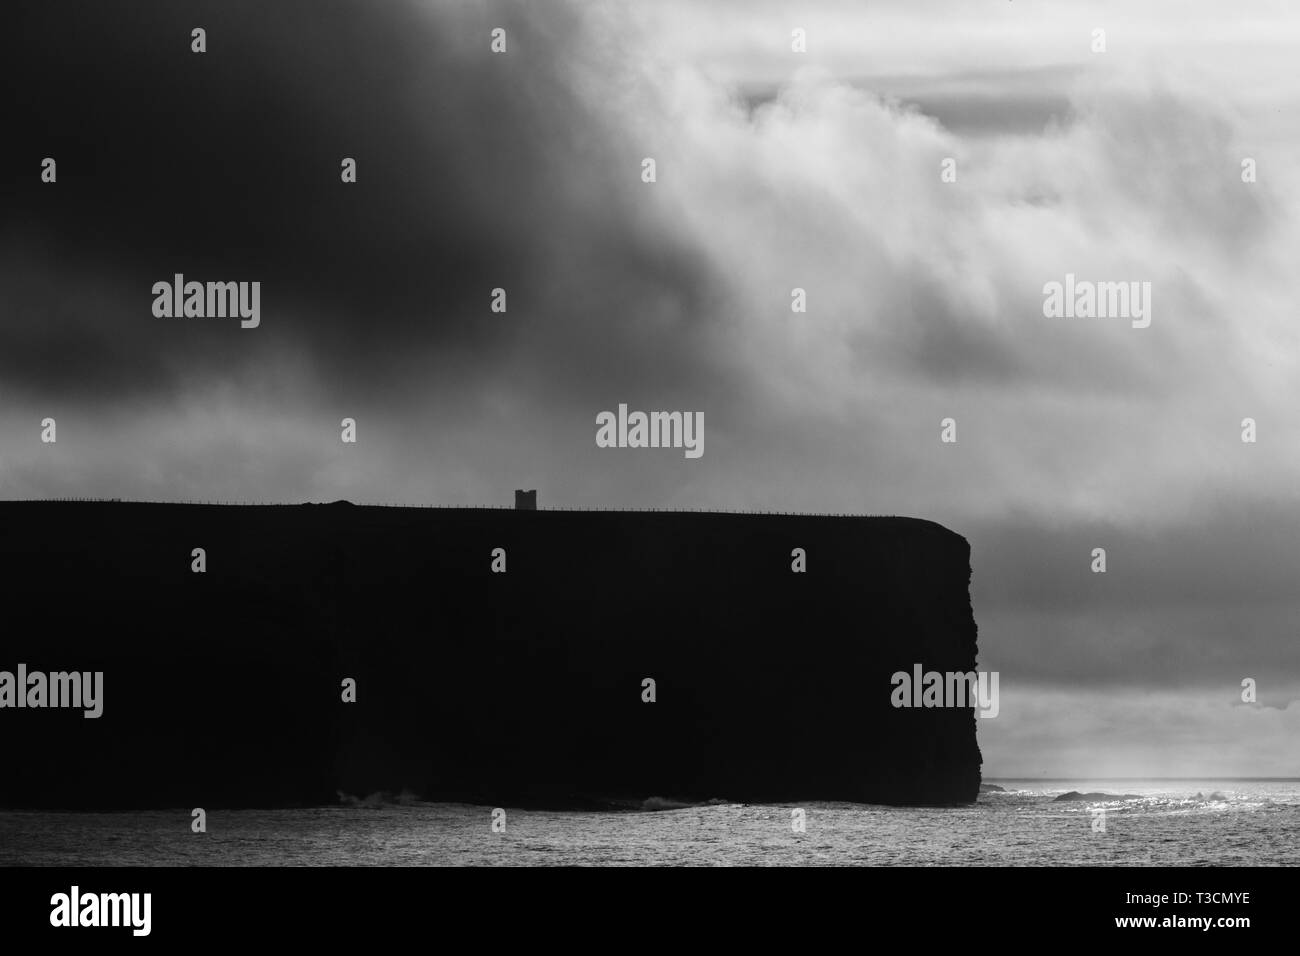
[{"x": 1110, "y": 822}]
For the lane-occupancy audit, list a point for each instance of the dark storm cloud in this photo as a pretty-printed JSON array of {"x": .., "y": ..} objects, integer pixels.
[
  {"x": 522, "y": 171},
  {"x": 1212, "y": 599},
  {"x": 1152, "y": 565},
  {"x": 475, "y": 171}
]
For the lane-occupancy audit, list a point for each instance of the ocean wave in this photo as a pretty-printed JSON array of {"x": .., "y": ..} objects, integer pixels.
[
  {"x": 667, "y": 803},
  {"x": 384, "y": 798}
]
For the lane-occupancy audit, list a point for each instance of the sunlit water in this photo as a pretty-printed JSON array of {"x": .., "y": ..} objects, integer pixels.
[{"x": 1232, "y": 822}]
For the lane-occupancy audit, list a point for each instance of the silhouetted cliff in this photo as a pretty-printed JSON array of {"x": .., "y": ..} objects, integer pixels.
[{"x": 516, "y": 688}]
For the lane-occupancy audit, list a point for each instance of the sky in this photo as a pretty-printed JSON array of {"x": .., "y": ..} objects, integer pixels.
[{"x": 775, "y": 170}]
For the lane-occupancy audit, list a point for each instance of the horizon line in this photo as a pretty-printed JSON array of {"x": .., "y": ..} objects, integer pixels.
[{"x": 1152, "y": 779}]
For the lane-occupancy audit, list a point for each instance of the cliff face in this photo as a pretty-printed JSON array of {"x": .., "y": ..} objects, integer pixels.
[{"x": 515, "y": 688}]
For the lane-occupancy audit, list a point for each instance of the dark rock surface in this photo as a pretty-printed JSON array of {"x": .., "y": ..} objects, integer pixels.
[{"x": 523, "y": 688}]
